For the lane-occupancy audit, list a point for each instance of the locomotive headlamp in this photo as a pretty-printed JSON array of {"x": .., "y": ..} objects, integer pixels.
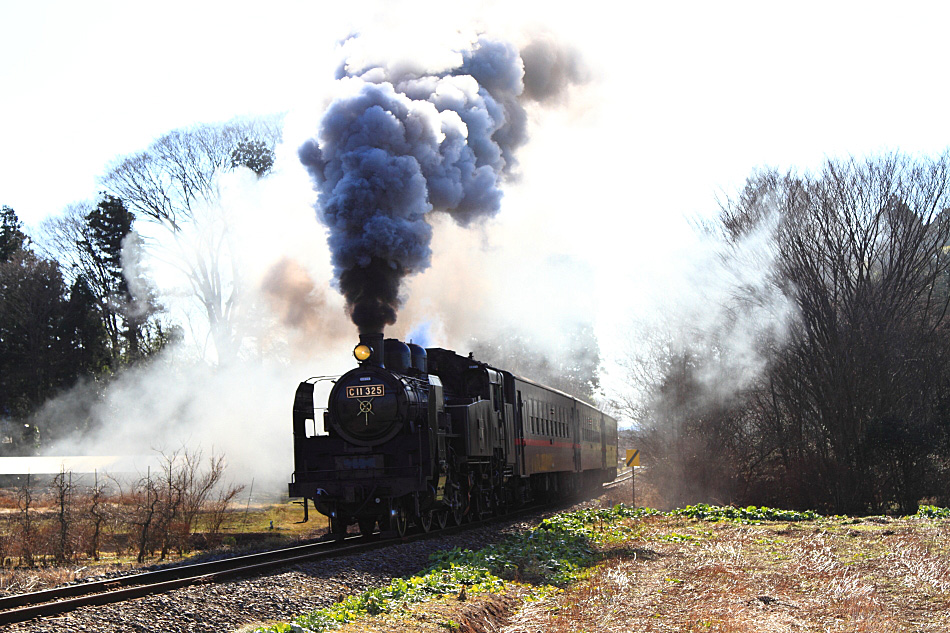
[{"x": 362, "y": 352}]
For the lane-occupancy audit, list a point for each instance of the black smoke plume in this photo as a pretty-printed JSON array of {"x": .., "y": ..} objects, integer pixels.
[{"x": 409, "y": 143}]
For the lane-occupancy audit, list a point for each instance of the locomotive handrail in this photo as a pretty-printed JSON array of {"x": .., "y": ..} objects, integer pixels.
[{"x": 322, "y": 378}]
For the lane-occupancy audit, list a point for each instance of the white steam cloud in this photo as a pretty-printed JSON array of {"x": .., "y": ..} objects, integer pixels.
[
  {"x": 287, "y": 322},
  {"x": 714, "y": 304}
]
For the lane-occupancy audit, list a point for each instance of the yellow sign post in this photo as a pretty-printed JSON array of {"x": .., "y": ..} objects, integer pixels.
[
  {"x": 633, "y": 460},
  {"x": 633, "y": 457}
]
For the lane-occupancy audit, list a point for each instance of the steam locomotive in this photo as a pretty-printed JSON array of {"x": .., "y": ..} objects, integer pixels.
[{"x": 427, "y": 436}]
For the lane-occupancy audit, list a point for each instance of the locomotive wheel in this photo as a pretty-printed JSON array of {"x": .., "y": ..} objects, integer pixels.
[
  {"x": 397, "y": 521},
  {"x": 424, "y": 521},
  {"x": 367, "y": 526},
  {"x": 338, "y": 528},
  {"x": 457, "y": 509},
  {"x": 441, "y": 518}
]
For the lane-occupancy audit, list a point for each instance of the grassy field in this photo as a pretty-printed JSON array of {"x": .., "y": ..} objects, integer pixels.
[{"x": 699, "y": 569}]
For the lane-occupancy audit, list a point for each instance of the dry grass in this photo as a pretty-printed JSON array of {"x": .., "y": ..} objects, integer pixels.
[
  {"x": 25, "y": 580},
  {"x": 267, "y": 526},
  {"x": 778, "y": 577},
  {"x": 680, "y": 575}
]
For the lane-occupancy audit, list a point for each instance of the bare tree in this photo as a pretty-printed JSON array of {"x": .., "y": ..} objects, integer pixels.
[
  {"x": 63, "y": 490},
  {"x": 26, "y": 522},
  {"x": 848, "y": 415},
  {"x": 217, "y": 508},
  {"x": 174, "y": 184},
  {"x": 863, "y": 254},
  {"x": 97, "y": 513},
  {"x": 146, "y": 499}
]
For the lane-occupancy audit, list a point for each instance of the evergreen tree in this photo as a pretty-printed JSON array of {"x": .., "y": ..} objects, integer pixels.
[
  {"x": 109, "y": 223},
  {"x": 84, "y": 338},
  {"x": 256, "y": 155},
  {"x": 12, "y": 238},
  {"x": 110, "y": 234},
  {"x": 31, "y": 311}
]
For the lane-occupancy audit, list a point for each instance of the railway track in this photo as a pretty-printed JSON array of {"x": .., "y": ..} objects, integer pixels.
[
  {"x": 58, "y": 600},
  {"x": 22, "y": 607},
  {"x": 620, "y": 480}
]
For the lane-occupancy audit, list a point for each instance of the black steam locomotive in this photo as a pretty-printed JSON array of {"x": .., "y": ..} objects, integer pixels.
[{"x": 426, "y": 436}]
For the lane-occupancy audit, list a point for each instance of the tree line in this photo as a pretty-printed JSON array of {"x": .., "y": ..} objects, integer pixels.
[
  {"x": 851, "y": 413},
  {"x": 59, "y": 325},
  {"x": 76, "y": 300}
]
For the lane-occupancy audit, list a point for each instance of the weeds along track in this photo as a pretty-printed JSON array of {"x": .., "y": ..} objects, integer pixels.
[{"x": 50, "y": 602}]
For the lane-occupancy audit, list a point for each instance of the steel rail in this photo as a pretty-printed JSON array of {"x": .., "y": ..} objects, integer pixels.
[{"x": 617, "y": 482}]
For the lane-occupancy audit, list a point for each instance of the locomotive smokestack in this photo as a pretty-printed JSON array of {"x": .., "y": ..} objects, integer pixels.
[{"x": 374, "y": 350}]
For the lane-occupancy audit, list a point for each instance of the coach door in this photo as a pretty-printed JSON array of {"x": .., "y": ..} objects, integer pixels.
[
  {"x": 519, "y": 432},
  {"x": 576, "y": 437},
  {"x": 603, "y": 442}
]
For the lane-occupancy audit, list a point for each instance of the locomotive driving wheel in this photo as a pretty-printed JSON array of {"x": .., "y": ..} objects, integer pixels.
[
  {"x": 338, "y": 528},
  {"x": 398, "y": 520},
  {"x": 424, "y": 521},
  {"x": 441, "y": 518},
  {"x": 457, "y": 510}
]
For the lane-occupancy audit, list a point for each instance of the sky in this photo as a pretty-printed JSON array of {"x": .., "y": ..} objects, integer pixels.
[{"x": 692, "y": 96}]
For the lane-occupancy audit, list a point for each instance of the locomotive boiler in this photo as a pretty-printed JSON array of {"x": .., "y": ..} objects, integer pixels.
[{"x": 427, "y": 437}]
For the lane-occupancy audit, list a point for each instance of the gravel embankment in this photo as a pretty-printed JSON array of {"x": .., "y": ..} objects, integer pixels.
[{"x": 280, "y": 596}]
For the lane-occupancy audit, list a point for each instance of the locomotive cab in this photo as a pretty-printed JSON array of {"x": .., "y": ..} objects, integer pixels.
[{"x": 482, "y": 383}]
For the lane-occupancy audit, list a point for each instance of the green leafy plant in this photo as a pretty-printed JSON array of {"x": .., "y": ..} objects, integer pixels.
[
  {"x": 749, "y": 515},
  {"x": 933, "y": 512}
]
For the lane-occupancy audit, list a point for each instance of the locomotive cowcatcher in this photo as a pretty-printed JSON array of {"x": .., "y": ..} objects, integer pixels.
[{"x": 427, "y": 436}]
